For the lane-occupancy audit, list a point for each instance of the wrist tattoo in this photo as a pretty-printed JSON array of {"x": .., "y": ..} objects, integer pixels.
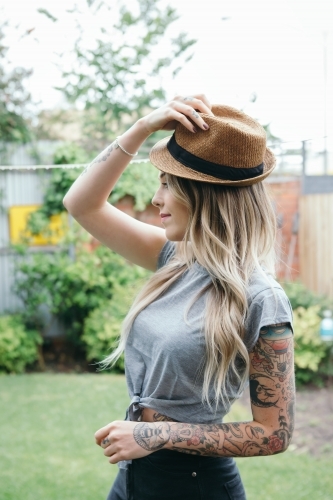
[{"x": 151, "y": 436}]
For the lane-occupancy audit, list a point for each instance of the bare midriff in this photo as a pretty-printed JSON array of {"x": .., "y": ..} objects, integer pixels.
[{"x": 150, "y": 415}]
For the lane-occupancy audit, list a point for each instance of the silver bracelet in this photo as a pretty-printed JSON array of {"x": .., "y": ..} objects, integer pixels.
[{"x": 117, "y": 145}]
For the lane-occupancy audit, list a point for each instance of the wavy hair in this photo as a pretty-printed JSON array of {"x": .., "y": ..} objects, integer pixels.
[{"x": 230, "y": 232}]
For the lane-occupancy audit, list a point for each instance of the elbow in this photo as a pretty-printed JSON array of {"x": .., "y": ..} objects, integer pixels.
[
  {"x": 69, "y": 206},
  {"x": 279, "y": 441}
]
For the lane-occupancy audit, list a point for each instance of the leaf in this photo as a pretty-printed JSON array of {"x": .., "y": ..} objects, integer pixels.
[{"x": 47, "y": 14}]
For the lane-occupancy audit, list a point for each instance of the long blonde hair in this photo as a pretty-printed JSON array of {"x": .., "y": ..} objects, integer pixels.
[{"x": 230, "y": 232}]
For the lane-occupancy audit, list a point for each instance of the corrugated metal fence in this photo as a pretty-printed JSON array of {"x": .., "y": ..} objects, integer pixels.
[
  {"x": 8, "y": 301},
  {"x": 18, "y": 186}
]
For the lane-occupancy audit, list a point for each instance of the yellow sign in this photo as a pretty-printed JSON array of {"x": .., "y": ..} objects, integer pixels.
[{"x": 18, "y": 217}]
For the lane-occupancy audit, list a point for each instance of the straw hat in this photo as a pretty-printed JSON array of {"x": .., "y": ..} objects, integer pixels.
[{"x": 232, "y": 152}]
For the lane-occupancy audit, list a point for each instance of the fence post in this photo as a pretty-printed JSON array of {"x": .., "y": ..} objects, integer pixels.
[{"x": 304, "y": 157}]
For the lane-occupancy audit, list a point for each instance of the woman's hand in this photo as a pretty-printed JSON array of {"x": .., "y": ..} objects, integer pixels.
[
  {"x": 181, "y": 109},
  {"x": 125, "y": 440}
]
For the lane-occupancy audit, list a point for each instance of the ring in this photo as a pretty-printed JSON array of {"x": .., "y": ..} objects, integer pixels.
[{"x": 188, "y": 98}]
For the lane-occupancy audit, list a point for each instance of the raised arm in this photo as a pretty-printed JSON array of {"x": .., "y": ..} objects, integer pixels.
[
  {"x": 87, "y": 199},
  {"x": 272, "y": 392}
]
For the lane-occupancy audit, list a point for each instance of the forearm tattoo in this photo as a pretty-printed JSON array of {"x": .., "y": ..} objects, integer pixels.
[
  {"x": 102, "y": 157},
  {"x": 151, "y": 437},
  {"x": 239, "y": 439},
  {"x": 271, "y": 386}
]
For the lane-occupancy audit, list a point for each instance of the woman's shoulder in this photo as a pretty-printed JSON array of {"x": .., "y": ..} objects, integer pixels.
[
  {"x": 263, "y": 284},
  {"x": 268, "y": 304}
]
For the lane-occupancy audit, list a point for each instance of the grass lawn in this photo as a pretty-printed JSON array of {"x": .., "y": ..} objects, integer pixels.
[{"x": 47, "y": 425}]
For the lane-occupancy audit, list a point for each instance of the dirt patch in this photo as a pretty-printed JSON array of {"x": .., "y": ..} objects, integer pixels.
[{"x": 314, "y": 421}]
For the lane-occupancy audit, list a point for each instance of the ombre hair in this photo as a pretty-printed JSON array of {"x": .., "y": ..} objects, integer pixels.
[{"x": 231, "y": 233}]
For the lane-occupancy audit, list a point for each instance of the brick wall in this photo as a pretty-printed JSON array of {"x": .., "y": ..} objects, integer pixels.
[{"x": 285, "y": 192}]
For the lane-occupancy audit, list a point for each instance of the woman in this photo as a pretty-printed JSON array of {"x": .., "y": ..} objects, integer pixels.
[{"x": 209, "y": 319}]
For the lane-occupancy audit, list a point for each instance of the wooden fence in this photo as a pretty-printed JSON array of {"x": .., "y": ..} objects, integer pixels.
[{"x": 316, "y": 242}]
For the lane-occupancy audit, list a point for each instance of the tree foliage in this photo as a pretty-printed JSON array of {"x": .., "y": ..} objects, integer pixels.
[
  {"x": 119, "y": 77},
  {"x": 14, "y": 99}
]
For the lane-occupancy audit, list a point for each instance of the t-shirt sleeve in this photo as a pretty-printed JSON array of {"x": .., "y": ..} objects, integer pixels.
[
  {"x": 166, "y": 254},
  {"x": 270, "y": 307}
]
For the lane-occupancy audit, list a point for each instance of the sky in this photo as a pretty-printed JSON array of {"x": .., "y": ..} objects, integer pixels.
[{"x": 274, "y": 49}]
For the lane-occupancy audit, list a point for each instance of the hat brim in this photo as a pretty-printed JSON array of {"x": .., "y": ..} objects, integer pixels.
[{"x": 161, "y": 158}]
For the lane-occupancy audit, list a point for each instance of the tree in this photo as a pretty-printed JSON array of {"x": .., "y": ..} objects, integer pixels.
[
  {"x": 14, "y": 99},
  {"x": 119, "y": 78}
]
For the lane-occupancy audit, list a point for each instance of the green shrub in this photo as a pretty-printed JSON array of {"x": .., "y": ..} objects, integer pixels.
[
  {"x": 71, "y": 289},
  {"x": 310, "y": 350},
  {"x": 103, "y": 325},
  {"x": 70, "y": 154},
  {"x": 300, "y": 296},
  {"x": 18, "y": 345},
  {"x": 311, "y": 353}
]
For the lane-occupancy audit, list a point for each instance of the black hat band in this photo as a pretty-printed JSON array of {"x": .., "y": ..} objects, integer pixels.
[{"x": 209, "y": 168}]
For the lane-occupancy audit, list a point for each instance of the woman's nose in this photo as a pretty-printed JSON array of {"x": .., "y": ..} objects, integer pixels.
[{"x": 156, "y": 200}]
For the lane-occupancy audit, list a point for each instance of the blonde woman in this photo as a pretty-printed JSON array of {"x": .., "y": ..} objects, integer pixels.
[{"x": 210, "y": 319}]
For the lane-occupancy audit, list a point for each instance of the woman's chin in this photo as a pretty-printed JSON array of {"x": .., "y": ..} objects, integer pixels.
[{"x": 173, "y": 235}]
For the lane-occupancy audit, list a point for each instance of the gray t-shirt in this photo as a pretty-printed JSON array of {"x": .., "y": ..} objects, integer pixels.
[{"x": 164, "y": 354}]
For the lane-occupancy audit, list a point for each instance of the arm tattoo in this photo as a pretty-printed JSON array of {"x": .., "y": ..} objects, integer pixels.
[
  {"x": 158, "y": 417},
  {"x": 239, "y": 439},
  {"x": 272, "y": 355},
  {"x": 102, "y": 157}
]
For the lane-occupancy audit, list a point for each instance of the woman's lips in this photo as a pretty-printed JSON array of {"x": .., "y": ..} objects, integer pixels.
[{"x": 164, "y": 216}]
